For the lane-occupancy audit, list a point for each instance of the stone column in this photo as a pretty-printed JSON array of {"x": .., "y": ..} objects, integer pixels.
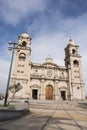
[
  {"x": 42, "y": 96},
  {"x": 56, "y": 90},
  {"x": 83, "y": 92},
  {"x": 70, "y": 87}
]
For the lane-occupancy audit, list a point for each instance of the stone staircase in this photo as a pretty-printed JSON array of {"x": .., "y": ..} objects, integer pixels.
[{"x": 45, "y": 104}]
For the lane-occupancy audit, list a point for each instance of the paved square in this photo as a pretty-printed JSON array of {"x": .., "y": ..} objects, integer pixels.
[{"x": 51, "y": 115}]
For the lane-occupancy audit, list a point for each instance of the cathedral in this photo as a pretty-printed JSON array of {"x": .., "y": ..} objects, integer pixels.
[{"x": 47, "y": 81}]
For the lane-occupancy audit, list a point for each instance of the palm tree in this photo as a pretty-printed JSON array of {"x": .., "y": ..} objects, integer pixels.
[{"x": 15, "y": 88}]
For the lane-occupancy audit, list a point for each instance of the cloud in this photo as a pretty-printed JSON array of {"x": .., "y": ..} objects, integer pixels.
[
  {"x": 12, "y": 12},
  {"x": 70, "y": 8},
  {"x": 48, "y": 44},
  {"x": 4, "y": 68},
  {"x": 4, "y": 52}
]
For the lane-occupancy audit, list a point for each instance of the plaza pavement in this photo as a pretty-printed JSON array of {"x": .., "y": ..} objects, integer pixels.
[
  {"x": 51, "y": 115},
  {"x": 19, "y": 109}
]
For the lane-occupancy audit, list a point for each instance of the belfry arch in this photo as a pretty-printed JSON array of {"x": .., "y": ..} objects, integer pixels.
[{"x": 49, "y": 92}]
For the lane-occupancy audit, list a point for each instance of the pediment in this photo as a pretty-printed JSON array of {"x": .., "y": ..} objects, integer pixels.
[{"x": 35, "y": 86}]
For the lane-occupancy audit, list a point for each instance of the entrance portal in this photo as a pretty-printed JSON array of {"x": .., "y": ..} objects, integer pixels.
[
  {"x": 34, "y": 93},
  {"x": 63, "y": 95},
  {"x": 49, "y": 92}
]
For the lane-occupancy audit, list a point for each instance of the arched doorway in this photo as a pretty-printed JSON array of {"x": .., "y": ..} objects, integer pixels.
[{"x": 49, "y": 92}]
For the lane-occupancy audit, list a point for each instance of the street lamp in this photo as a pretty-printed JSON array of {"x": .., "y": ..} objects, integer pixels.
[{"x": 8, "y": 82}]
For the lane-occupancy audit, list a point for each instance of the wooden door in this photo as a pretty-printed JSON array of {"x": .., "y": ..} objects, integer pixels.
[{"x": 49, "y": 92}]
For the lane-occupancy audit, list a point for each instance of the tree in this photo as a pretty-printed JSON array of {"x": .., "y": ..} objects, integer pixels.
[{"x": 15, "y": 88}]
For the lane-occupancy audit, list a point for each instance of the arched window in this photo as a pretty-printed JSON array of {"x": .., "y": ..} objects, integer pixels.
[
  {"x": 76, "y": 63},
  {"x": 73, "y": 51},
  {"x": 22, "y": 56},
  {"x": 23, "y": 44}
]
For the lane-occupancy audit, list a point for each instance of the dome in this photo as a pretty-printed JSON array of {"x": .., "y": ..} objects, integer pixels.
[
  {"x": 71, "y": 42},
  {"x": 25, "y": 35},
  {"x": 49, "y": 60}
]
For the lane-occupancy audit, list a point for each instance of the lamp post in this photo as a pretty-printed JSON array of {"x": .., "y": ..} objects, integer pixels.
[{"x": 8, "y": 82}]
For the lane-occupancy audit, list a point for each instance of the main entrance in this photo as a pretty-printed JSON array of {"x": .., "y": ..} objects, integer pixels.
[
  {"x": 49, "y": 92},
  {"x": 34, "y": 93}
]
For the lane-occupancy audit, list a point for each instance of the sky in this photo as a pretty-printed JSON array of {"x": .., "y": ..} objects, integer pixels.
[{"x": 50, "y": 23}]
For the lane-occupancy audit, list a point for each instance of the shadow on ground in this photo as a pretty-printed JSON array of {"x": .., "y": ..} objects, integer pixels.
[{"x": 83, "y": 105}]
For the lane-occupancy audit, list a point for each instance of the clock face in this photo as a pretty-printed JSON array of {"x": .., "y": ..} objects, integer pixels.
[{"x": 49, "y": 73}]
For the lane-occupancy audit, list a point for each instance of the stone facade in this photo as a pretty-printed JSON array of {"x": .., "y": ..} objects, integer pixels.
[{"x": 47, "y": 81}]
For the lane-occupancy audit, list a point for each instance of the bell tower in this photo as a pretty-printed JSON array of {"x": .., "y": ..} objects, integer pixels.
[
  {"x": 22, "y": 56},
  {"x": 21, "y": 65},
  {"x": 74, "y": 66}
]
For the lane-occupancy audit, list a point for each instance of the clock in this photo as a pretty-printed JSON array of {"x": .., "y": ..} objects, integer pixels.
[{"x": 49, "y": 73}]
